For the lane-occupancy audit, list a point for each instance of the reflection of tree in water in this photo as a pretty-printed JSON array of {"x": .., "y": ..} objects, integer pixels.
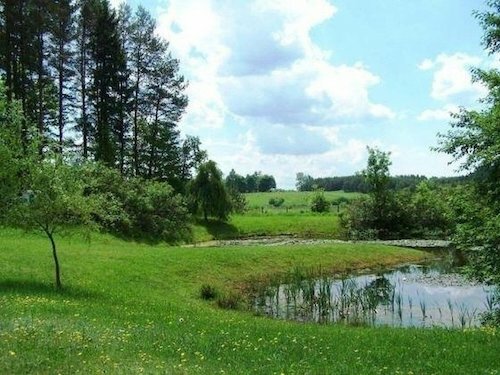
[{"x": 379, "y": 290}]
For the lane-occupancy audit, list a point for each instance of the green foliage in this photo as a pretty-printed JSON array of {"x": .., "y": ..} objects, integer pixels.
[
  {"x": 208, "y": 292},
  {"x": 319, "y": 203},
  {"x": 53, "y": 201},
  {"x": 357, "y": 183},
  {"x": 386, "y": 214},
  {"x": 304, "y": 182},
  {"x": 474, "y": 142},
  {"x": 238, "y": 201},
  {"x": 13, "y": 144},
  {"x": 266, "y": 183},
  {"x": 276, "y": 202},
  {"x": 381, "y": 203},
  {"x": 234, "y": 181},
  {"x": 137, "y": 208},
  {"x": 256, "y": 182},
  {"x": 209, "y": 193}
]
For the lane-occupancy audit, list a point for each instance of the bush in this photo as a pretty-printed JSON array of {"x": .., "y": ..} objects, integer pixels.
[
  {"x": 238, "y": 201},
  {"x": 319, "y": 202},
  {"x": 229, "y": 300},
  {"x": 137, "y": 208},
  {"x": 423, "y": 214},
  {"x": 208, "y": 292},
  {"x": 276, "y": 202}
]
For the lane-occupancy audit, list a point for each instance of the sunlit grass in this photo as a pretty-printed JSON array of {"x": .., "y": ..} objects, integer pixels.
[
  {"x": 293, "y": 199},
  {"x": 132, "y": 308},
  {"x": 307, "y": 225}
]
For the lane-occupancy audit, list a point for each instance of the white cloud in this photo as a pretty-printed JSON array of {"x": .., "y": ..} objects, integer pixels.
[
  {"x": 263, "y": 96},
  {"x": 273, "y": 72},
  {"x": 245, "y": 156},
  {"x": 452, "y": 78},
  {"x": 426, "y": 64},
  {"x": 440, "y": 114}
]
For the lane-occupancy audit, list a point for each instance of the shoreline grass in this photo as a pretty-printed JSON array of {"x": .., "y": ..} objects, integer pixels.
[{"x": 130, "y": 308}]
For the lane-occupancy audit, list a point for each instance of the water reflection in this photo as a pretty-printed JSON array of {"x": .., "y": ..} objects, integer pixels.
[{"x": 420, "y": 296}]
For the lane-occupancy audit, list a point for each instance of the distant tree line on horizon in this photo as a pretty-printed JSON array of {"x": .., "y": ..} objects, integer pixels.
[
  {"x": 251, "y": 183},
  {"x": 357, "y": 183}
]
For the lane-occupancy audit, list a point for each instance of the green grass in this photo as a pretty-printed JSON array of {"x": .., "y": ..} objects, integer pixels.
[
  {"x": 261, "y": 219},
  {"x": 307, "y": 225},
  {"x": 132, "y": 308},
  {"x": 298, "y": 200}
]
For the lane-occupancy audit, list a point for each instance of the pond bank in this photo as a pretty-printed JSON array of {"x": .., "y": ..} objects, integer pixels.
[{"x": 290, "y": 240}]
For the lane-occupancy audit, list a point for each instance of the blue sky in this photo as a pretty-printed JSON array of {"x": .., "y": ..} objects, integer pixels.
[{"x": 304, "y": 86}]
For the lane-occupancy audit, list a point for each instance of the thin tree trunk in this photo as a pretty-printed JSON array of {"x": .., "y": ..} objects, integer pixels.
[
  {"x": 83, "y": 90},
  {"x": 41, "y": 127},
  {"x": 136, "y": 130},
  {"x": 56, "y": 260},
  {"x": 153, "y": 139},
  {"x": 61, "y": 94}
]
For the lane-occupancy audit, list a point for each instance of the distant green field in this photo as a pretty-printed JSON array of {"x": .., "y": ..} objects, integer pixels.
[
  {"x": 293, "y": 199},
  {"x": 305, "y": 225},
  {"x": 130, "y": 308},
  {"x": 293, "y": 218}
]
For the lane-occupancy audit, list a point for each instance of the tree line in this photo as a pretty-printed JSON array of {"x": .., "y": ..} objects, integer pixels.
[
  {"x": 98, "y": 83},
  {"x": 251, "y": 183},
  {"x": 357, "y": 183}
]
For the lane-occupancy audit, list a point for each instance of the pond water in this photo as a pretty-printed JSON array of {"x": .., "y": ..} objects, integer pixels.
[{"x": 412, "y": 295}]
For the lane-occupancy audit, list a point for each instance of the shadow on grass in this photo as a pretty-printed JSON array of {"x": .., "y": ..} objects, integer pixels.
[
  {"x": 219, "y": 230},
  {"x": 28, "y": 287}
]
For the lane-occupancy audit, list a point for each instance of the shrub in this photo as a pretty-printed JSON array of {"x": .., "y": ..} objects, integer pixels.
[
  {"x": 423, "y": 214},
  {"x": 229, "y": 300},
  {"x": 238, "y": 201},
  {"x": 137, "y": 208},
  {"x": 208, "y": 292},
  {"x": 319, "y": 203},
  {"x": 276, "y": 202}
]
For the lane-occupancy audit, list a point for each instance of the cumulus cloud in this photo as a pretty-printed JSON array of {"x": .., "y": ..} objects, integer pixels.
[
  {"x": 272, "y": 71},
  {"x": 440, "y": 114},
  {"x": 263, "y": 95},
  {"x": 452, "y": 78},
  {"x": 246, "y": 156},
  {"x": 426, "y": 64}
]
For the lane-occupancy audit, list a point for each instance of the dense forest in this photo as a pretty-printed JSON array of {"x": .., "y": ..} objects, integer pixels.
[{"x": 97, "y": 84}]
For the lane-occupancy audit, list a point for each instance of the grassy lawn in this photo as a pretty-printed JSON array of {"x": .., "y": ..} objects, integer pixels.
[{"x": 132, "y": 308}]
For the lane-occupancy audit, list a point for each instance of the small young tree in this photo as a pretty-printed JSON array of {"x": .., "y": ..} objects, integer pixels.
[
  {"x": 319, "y": 202},
  {"x": 209, "y": 193},
  {"x": 36, "y": 193},
  {"x": 376, "y": 175},
  {"x": 54, "y": 200}
]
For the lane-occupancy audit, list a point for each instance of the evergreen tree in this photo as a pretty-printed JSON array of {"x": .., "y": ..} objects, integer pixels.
[
  {"x": 124, "y": 88},
  {"x": 109, "y": 59},
  {"x": 144, "y": 47},
  {"x": 165, "y": 94},
  {"x": 83, "y": 67},
  {"x": 62, "y": 55}
]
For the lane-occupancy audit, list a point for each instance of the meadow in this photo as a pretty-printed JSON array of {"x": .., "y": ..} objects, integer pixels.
[
  {"x": 293, "y": 200},
  {"x": 135, "y": 308},
  {"x": 292, "y": 218}
]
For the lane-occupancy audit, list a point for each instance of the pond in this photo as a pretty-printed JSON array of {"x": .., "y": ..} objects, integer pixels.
[{"x": 408, "y": 296}]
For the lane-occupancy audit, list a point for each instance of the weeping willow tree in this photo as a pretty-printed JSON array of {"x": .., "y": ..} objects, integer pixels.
[{"x": 209, "y": 193}]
